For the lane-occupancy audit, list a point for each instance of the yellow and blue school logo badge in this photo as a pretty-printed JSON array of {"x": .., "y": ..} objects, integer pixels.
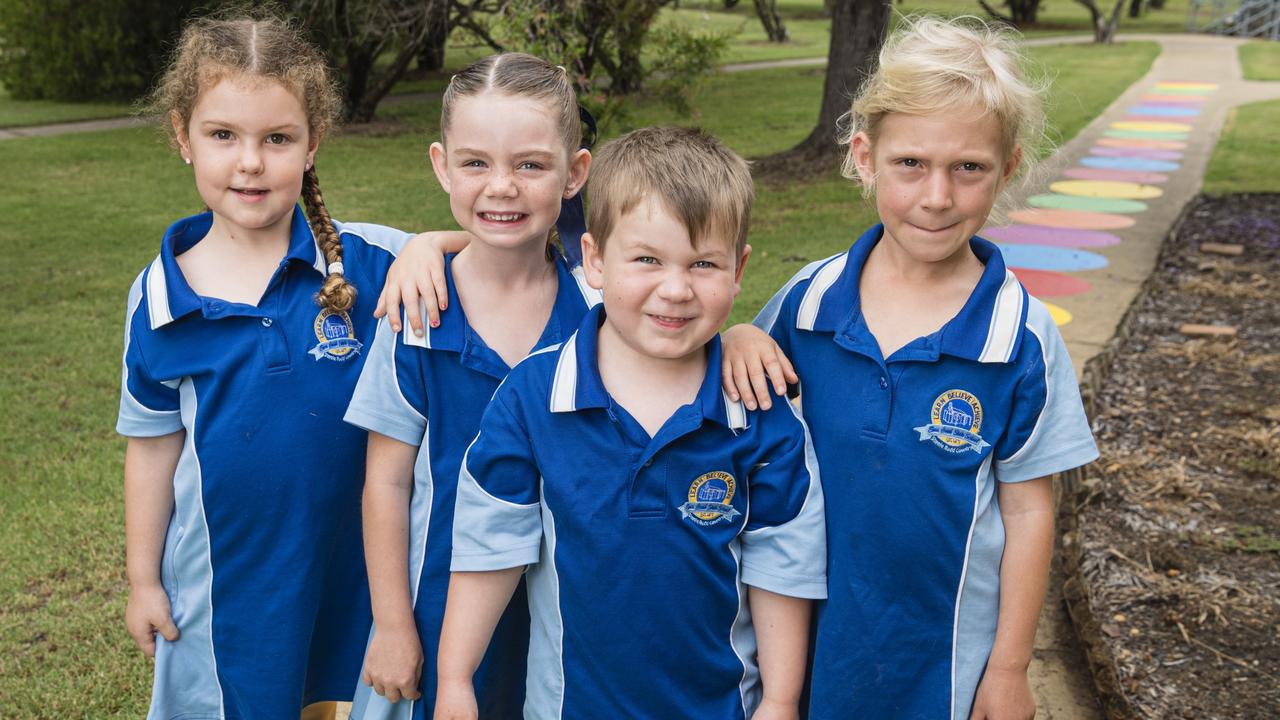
[
  {"x": 336, "y": 336},
  {"x": 957, "y": 418},
  {"x": 709, "y": 498}
]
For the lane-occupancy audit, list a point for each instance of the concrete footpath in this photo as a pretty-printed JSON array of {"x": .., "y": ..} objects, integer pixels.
[{"x": 1091, "y": 236}]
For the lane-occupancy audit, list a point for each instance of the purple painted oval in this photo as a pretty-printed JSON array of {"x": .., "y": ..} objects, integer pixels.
[
  {"x": 1129, "y": 164},
  {"x": 1149, "y": 153},
  {"x": 1137, "y": 176},
  {"x": 1050, "y": 236}
]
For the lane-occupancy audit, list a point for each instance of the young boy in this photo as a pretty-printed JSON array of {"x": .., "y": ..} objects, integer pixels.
[{"x": 642, "y": 499}]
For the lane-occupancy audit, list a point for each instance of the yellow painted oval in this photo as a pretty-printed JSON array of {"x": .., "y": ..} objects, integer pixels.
[
  {"x": 1106, "y": 189},
  {"x": 1151, "y": 126},
  {"x": 1059, "y": 315}
]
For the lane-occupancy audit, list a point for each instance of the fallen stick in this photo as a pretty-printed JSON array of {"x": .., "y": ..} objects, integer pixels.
[
  {"x": 1222, "y": 248},
  {"x": 1196, "y": 330}
]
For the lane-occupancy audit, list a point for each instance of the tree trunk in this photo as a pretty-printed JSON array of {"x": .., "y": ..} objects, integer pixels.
[
  {"x": 432, "y": 55},
  {"x": 1135, "y": 8},
  {"x": 1104, "y": 29},
  {"x": 858, "y": 29},
  {"x": 774, "y": 28}
]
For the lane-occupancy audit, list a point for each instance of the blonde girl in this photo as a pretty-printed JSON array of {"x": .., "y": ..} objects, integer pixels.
[
  {"x": 243, "y": 341},
  {"x": 940, "y": 395},
  {"x": 508, "y": 156}
]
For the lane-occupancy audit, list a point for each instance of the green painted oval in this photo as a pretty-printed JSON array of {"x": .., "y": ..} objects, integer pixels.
[
  {"x": 1146, "y": 134},
  {"x": 1088, "y": 204}
]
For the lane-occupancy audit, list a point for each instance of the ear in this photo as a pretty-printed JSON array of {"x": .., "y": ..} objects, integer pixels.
[
  {"x": 742, "y": 266},
  {"x": 313, "y": 144},
  {"x": 579, "y": 166},
  {"x": 440, "y": 164},
  {"x": 592, "y": 262},
  {"x": 1011, "y": 165},
  {"x": 180, "y": 132},
  {"x": 863, "y": 158}
]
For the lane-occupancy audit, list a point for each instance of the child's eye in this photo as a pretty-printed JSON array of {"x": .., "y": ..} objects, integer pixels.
[
  {"x": 529, "y": 165},
  {"x": 220, "y": 134},
  {"x": 473, "y": 163},
  {"x": 277, "y": 139},
  {"x": 971, "y": 166},
  {"x": 910, "y": 162},
  {"x": 704, "y": 265},
  {"x": 647, "y": 260}
]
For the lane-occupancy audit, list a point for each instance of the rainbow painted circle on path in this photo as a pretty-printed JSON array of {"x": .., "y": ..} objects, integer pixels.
[
  {"x": 1072, "y": 219},
  {"x": 1121, "y": 163},
  {"x": 1167, "y": 110},
  {"x": 1148, "y": 126},
  {"x": 1188, "y": 100},
  {"x": 1148, "y": 153},
  {"x": 1043, "y": 257},
  {"x": 1052, "y": 236},
  {"x": 1137, "y": 176},
  {"x": 1147, "y": 135},
  {"x": 1140, "y": 143},
  {"x": 1106, "y": 189},
  {"x": 1045, "y": 283},
  {"x": 1187, "y": 85},
  {"x": 1086, "y": 202},
  {"x": 1059, "y": 315}
]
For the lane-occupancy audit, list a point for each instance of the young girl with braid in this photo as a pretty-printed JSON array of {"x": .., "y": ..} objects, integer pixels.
[{"x": 243, "y": 342}]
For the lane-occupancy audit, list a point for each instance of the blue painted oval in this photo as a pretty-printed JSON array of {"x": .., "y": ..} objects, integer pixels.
[
  {"x": 1123, "y": 163},
  {"x": 1165, "y": 111},
  {"x": 1043, "y": 257}
]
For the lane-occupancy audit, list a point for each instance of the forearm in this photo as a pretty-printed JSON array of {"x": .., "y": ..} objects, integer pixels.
[
  {"x": 476, "y": 602},
  {"x": 149, "y": 466},
  {"x": 1027, "y": 512},
  {"x": 782, "y": 635},
  {"x": 448, "y": 241},
  {"x": 387, "y": 492}
]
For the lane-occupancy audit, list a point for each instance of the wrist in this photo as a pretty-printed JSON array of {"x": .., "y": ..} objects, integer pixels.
[
  {"x": 144, "y": 582},
  {"x": 1008, "y": 665}
]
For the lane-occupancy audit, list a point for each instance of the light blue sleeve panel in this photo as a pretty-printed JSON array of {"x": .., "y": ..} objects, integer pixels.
[
  {"x": 1048, "y": 432},
  {"x": 379, "y": 236},
  {"x": 389, "y": 398},
  {"x": 149, "y": 407},
  {"x": 777, "y": 317},
  {"x": 497, "y": 520},
  {"x": 784, "y": 548}
]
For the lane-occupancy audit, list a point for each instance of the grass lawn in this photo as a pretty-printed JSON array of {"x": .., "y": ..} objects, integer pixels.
[
  {"x": 1260, "y": 60},
  {"x": 1244, "y": 159},
  {"x": 24, "y": 113},
  {"x": 84, "y": 213}
]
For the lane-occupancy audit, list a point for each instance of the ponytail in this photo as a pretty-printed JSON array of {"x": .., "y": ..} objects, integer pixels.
[{"x": 336, "y": 294}]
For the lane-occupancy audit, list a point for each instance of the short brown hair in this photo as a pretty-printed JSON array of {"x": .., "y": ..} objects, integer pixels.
[{"x": 701, "y": 182}]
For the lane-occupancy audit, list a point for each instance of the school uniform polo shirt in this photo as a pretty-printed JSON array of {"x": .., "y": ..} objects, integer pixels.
[
  {"x": 430, "y": 392},
  {"x": 911, "y": 449},
  {"x": 640, "y": 546},
  {"x": 262, "y": 558}
]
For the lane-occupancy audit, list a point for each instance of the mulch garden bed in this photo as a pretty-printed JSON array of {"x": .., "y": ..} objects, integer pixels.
[{"x": 1172, "y": 538}]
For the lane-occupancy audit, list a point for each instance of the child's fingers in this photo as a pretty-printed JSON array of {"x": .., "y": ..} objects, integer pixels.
[
  {"x": 146, "y": 643},
  {"x": 788, "y": 370},
  {"x": 366, "y": 679},
  {"x": 168, "y": 629},
  {"x": 760, "y": 386},
  {"x": 389, "y": 305},
  {"x": 726, "y": 379},
  {"x": 742, "y": 383}
]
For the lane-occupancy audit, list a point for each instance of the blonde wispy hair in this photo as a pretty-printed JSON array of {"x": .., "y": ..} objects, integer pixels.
[{"x": 932, "y": 65}]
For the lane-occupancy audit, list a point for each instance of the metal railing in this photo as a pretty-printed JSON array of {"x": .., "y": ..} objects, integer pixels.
[{"x": 1242, "y": 18}]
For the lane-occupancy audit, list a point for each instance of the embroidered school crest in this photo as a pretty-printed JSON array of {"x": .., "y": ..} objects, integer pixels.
[
  {"x": 709, "y": 498},
  {"x": 336, "y": 337},
  {"x": 957, "y": 417}
]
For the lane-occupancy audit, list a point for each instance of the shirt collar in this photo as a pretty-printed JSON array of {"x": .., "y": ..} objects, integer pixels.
[
  {"x": 571, "y": 293},
  {"x": 577, "y": 385},
  {"x": 987, "y": 328},
  {"x": 170, "y": 297}
]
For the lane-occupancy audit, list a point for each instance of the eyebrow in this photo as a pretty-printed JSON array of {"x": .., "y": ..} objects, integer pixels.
[{"x": 272, "y": 129}]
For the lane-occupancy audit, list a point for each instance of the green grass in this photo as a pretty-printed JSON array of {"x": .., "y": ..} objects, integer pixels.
[
  {"x": 1244, "y": 159},
  {"x": 1260, "y": 60},
  {"x": 83, "y": 213},
  {"x": 25, "y": 113}
]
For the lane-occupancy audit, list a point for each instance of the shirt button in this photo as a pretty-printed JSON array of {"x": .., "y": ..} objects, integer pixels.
[
  {"x": 266, "y": 322},
  {"x": 648, "y": 462},
  {"x": 884, "y": 382}
]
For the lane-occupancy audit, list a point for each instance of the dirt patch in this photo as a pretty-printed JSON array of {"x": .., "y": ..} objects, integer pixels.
[{"x": 1173, "y": 548}]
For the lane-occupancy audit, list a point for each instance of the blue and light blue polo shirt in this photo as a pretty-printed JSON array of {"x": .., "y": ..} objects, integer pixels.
[
  {"x": 263, "y": 562},
  {"x": 430, "y": 392},
  {"x": 640, "y": 547},
  {"x": 911, "y": 449}
]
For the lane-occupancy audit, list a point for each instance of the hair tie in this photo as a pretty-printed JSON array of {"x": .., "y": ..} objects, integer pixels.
[
  {"x": 335, "y": 268},
  {"x": 572, "y": 222},
  {"x": 561, "y": 67}
]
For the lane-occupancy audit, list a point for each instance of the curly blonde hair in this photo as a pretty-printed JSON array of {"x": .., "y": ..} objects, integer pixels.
[
  {"x": 931, "y": 65},
  {"x": 214, "y": 49}
]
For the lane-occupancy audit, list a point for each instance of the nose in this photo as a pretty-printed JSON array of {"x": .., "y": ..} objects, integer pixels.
[
  {"x": 500, "y": 184},
  {"x": 676, "y": 286},
  {"x": 249, "y": 161},
  {"x": 937, "y": 191}
]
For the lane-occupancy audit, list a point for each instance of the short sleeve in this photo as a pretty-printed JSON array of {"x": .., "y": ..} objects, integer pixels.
[
  {"x": 498, "y": 516},
  {"x": 1048, "y": 431},
  {"x": 149, "y": 407},
  {"x": 784, "y": 547},
  {"x": 390, "y": 397}
]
